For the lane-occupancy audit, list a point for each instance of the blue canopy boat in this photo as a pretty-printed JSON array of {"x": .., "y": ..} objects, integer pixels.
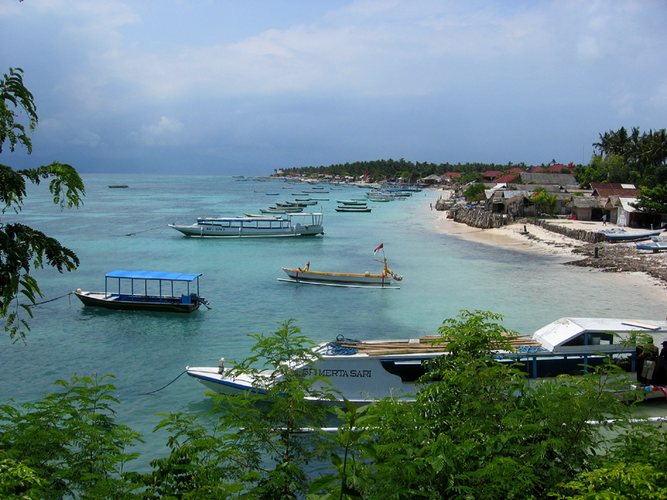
[{"x": 169, "y": 292}]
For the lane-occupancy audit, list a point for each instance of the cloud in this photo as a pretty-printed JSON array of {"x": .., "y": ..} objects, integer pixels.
[{"x": 165, "y": 132}]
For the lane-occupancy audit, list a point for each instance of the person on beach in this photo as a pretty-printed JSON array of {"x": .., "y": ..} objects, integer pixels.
[{"x": 604, "y": 219}]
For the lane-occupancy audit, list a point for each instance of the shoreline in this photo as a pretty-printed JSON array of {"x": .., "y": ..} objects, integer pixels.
[{"x": 624, "y": 258}]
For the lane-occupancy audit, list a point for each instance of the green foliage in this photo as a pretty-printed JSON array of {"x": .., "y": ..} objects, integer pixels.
[
  {"x": 199, "y": 464},
  {"x": 544, "y": 202},
  {"x": 653, "y": 199},
  {"x": 256, "y": 445},
  {"x": 21, "y": 247},
  {"x": 14, "y": 96},
  {"x": 17, "y": 480},
  {"x": 619, "y": 480},
  {"x": 475, "y": 192},
  {"x": 70, "y": 441},
  {"x": 480, "y": 430}
]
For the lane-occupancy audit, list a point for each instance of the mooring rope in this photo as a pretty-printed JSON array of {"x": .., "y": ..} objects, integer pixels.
[
  {"x": 142, "y": 231},
  {"x": 164, "y": 386},
  {"x": 50, "y": 300}
]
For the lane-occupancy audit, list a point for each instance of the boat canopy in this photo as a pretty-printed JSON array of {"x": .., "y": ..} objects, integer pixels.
[
  {"x": 556, "y": 335},
  {"x": 152, "y": 275}
]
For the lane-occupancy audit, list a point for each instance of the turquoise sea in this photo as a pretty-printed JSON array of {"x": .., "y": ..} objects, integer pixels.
[{"x": 127, "y": 229}]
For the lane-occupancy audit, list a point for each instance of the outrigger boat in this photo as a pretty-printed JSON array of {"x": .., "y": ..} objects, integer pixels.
[
  {"x": 383, "y": 279},
  {"x": 289, "y": 224},
  {"x": 132, "y": 292},
  {"x": 365, "y": 371}
]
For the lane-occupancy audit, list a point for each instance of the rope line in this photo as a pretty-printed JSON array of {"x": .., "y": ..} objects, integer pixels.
[
  {"x": 164, "y": 386},
  {"x": 142, "y": 231},
  {"x": 50, "y": 300}
]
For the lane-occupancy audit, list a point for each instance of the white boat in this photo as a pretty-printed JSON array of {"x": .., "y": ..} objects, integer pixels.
[
  {"x": 619, "y": 234},
  {"x": 365, "y": 371},
  {"x": 290, "y": 224}
]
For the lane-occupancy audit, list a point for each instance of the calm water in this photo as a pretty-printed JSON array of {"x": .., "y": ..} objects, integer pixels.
[{"x": 145, "y": 351}]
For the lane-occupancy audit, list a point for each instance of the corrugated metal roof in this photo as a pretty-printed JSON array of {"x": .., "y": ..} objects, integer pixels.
[
  {"x": 561, "y": 331},
  {"x": 152, "y": 275}
]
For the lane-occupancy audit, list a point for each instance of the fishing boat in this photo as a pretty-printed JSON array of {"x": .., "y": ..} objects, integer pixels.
[
  {"x": 353, "y": 208},
  {"x": 655, "y": 245},
  {"x": 146, "y": 291},
  {"x": 369, "y": 370},
  {"x": 289, "y": 224},
  {"x": 383, "y": 279},
  {"x": 352, "y": 202},
  {"x": 619, "y": 234}
]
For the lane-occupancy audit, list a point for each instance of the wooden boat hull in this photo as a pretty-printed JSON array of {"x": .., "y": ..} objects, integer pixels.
[
  {"x": 352, "y": 210},
  {"x": 297, "y": 274},
  {"x": 138, "y": 302}
]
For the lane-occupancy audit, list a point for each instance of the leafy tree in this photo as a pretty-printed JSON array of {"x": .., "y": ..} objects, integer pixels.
[
  {"x": 480, "y": 430},
  {"x": 653, "y": 199},
  {"x": 23, "y": 248},
  {"x": 475, "y": 192},
  {"x": 544, "y": 202},
  {"x": 69, "y": 443},
  {"x": 256, "y": 444}
]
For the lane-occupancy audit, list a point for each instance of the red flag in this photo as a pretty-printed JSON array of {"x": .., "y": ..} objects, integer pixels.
[{"x": 379, "y": 247}]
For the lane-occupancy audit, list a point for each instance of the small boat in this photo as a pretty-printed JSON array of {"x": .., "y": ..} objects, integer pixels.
[
  {"x": 281, "y": 210},
  {"x": 118, "y": 186},
  {"x": 131, "y": 292},
  {"x": 289, "y": 224},
  {"x": 365, "y": 371},
  {"x": 618, "y": 234},
  {"x": 383, "y": 279},
  {"x": 352, "y": 202},
  {"x": 351, "y": 208},
  {"x": 655, "y": 245},
  {"x": 380, "y": 196}
]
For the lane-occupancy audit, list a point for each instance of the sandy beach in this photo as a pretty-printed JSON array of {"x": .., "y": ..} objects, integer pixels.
[{"x": 526, "y": 237}]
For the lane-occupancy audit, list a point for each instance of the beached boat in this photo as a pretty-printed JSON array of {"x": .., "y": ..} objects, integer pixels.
[
  {"x": 365, "y": 371},
  {"x": 656, "y": 245},
  {"x": 146, "y": 291},
  {"x": 618, "y": 234},
  {"x": 289, "y": 224}
]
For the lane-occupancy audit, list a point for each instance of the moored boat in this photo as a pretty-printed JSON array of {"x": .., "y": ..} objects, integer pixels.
[
  {"x": 353, "y": 208},
  {"x": 383, "y": 279},
  {"x": 366, "y": 371},
  {"x": 146, "y": 291},
  {"x": 288, "y": 224}
]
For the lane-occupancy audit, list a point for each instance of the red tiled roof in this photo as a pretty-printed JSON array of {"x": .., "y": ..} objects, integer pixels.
[
  {"x": 492, "y": 174},
  {"x": 509, "y": 177}
]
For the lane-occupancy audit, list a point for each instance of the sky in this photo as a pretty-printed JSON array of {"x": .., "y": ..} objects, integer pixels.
[{"x": 240, "y": 87}]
